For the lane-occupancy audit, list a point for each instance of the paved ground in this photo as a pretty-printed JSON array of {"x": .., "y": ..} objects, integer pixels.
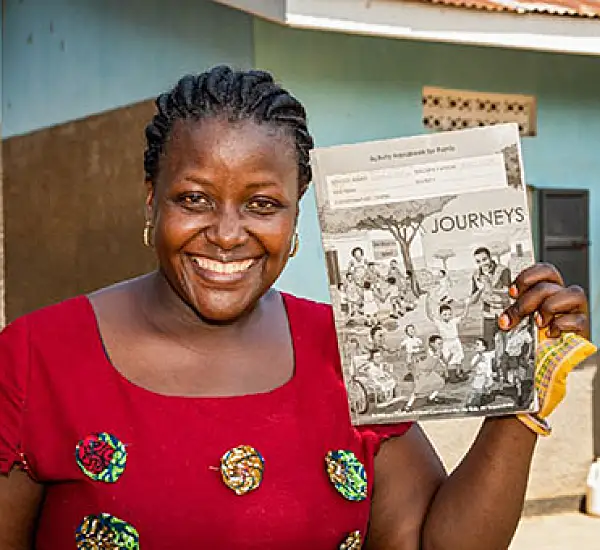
[{"x": 560, "y": 532}]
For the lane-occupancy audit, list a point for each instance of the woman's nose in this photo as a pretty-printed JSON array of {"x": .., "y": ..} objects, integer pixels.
[{"x": 227, "y": 231}]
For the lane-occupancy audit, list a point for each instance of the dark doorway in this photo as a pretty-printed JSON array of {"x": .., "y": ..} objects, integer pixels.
[
  {"x": 564, "y": 233},
  {"x": 564, "y": 241}
]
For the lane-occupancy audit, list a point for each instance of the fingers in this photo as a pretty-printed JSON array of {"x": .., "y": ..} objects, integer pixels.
[
  {"x": 565, "y": 311},
  {"x": 527, "y": 303},
  {"x": 540, "y": 290},
  {"x": 576, "y": 322},
  {"x": 566, "y": 300},
  {"x": 534, "y": 275}
]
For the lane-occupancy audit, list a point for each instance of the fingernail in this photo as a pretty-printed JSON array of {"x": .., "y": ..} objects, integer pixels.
[
  {"x": 504, "y": 321},
  {"x": 538, "y": 319},
  {"x": 513, "y": 291}
]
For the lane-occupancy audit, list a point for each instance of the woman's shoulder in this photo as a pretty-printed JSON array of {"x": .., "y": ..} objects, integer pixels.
[
  {"x": 70, "y": 310},
  {"x": 77, "y": 312},
  {"x": 311, "y": 321},
  {"x": 51, "y": 323}
]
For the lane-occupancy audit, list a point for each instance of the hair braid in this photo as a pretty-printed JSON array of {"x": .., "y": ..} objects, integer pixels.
[{"x": 237, "y": 95}]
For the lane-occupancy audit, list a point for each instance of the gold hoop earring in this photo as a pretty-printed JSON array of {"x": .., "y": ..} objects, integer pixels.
[
  {"x": 147, "y": 234},
  {"x": 295, "y": 246}
]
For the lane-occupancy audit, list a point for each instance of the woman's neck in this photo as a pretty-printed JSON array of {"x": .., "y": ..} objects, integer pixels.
[{"x": 166, "y": 311}]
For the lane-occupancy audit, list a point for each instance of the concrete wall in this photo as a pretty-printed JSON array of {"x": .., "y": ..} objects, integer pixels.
[{"x": 359, "y": 88}]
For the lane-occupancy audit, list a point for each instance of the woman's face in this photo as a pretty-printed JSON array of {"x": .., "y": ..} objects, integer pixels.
[{"x": 224, "y": 210}]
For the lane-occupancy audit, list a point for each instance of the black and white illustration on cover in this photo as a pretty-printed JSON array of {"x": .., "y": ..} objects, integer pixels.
[{"x": 418, "y": 284}]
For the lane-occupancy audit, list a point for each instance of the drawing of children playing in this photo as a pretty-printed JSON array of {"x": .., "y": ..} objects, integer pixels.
[
  {"x": 370, "y": 307},
  {"x": 356, "y": 356},
  {"x": 401, "y": 305},
  {"x": 483, "y": 380},
  {"x": 385, "y": 291},
  {"x": 430, "y": 374},
  {"x": 342, "y": 300},
  {"x": 443, "y": 288},
  {"x": 353, "y": 295},
  {"x": 447, "y": 326},
  {"x": 357, "y": 260},
  {"x": 414, "y": 348},
  {"x": 516, "y": 352}
]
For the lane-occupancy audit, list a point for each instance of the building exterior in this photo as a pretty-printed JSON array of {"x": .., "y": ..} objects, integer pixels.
[{"x": 76, "y": 96}]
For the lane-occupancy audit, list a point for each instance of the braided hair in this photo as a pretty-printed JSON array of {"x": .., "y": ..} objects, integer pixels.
[{"x": 236, "y": 95}]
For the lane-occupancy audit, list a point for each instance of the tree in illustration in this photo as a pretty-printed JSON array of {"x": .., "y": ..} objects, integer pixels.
[
  {"x": 444, "y": 255},
  {"x": 498, "y": 249},
  {"x": 403, "y": 220}
]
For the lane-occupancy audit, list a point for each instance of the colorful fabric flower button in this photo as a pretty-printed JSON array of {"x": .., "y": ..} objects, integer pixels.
[
  {"x": 347, "y": 474},
  {"x": 242, "y": 469},
  {"x": 106, "y": 532},
  {"x": 352, "y": 542},
  {"x": 101, "y": 457}
]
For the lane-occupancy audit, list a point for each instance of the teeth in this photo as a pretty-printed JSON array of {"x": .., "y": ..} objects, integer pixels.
[{"x": 221, "y": 267}]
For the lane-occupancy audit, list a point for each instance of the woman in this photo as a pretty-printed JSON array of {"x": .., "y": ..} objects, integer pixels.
[{"x": 198, "y": 407}]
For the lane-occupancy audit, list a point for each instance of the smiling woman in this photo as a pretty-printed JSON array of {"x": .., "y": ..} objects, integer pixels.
[
  {"x": 224, "y": 209},
  {"x": 195, "y": 406}
]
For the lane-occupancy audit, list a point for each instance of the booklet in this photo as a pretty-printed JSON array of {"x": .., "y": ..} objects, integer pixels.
[{"x": 423, "y": 237}]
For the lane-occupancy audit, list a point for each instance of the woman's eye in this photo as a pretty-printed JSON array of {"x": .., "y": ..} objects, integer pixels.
[
  {"x": 194, "y": 200},
  {"x": 263, "y": 206}
]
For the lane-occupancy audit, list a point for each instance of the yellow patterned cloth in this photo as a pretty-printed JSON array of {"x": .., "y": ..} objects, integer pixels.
[{"x": 555, "y": 359}]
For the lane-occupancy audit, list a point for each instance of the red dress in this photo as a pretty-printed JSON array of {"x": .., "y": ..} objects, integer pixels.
[{"x": 144, "y": 468}]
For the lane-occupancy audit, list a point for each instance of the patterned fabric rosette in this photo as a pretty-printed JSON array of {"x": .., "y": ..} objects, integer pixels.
[
  {"x": 106, "y": 532},
  {"x": 242, "y": 469},
  {"x": 347, "y": 474},
  {"x": 101, "y": 457},
  {"x": 352, "y": 542}
]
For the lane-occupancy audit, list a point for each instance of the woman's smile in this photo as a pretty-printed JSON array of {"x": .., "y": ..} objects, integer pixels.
[{"x": 224, "y": 273}]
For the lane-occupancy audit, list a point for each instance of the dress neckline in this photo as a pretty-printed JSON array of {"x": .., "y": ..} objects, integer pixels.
[{"x": 99, "y": 350}]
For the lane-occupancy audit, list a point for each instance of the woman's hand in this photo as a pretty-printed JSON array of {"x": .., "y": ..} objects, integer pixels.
[
  {"x": 540, "y": 290},
  {"x": 561, "y": 314}
]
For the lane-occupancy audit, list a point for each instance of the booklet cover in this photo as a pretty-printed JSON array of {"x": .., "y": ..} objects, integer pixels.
[{"x": 423, "y": 237}]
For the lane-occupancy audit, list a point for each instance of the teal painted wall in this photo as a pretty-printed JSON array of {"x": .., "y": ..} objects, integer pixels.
[
  {"x": 66, "y": 59},
  {"x": 359, "y": 88}
]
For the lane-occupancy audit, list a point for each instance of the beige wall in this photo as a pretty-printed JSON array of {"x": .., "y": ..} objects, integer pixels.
[{"x": 73, "y": 208}]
